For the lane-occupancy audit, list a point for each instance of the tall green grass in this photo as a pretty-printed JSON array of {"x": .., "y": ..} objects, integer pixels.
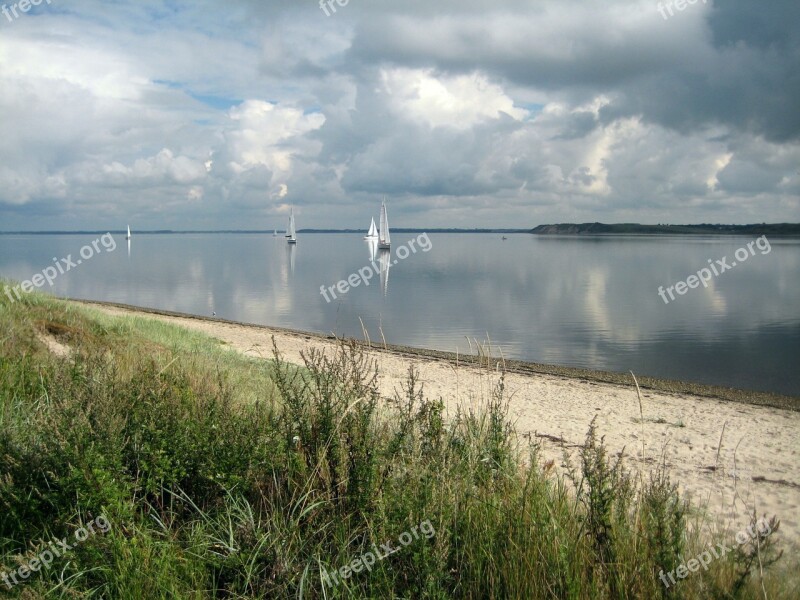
[{"x": 228, "y": 477}]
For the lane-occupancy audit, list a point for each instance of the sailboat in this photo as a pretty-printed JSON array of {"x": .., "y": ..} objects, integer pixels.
[
  {"x": 384, "y": 241},
  {"x": 274, "y": 233},
  {"x": 127, "y": 237},
  {"x": 291, "y": 233},
  {"x": 372, "y": 234}
]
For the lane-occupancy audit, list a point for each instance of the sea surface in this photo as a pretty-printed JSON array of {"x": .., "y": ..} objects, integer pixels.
[{"x": 589, "y": 302}]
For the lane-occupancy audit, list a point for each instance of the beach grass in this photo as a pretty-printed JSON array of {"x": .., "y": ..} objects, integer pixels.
[{"x": 225, "y": 476}]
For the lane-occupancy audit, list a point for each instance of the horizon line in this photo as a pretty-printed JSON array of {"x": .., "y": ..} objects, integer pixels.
[
  {"x": 265, "y": 231},
  {"x": 397, "y": 229}
]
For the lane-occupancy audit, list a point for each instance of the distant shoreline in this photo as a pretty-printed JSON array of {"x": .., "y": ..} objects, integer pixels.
[
  {"x": 265, "y": 232},
  {"x": 774, "y": 229}
]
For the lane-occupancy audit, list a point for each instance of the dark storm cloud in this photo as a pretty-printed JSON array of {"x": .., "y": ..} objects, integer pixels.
[{"x": 739, "y": 65}]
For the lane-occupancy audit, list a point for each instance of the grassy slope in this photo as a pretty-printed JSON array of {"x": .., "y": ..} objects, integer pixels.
[{"x": 228, "y": 477}]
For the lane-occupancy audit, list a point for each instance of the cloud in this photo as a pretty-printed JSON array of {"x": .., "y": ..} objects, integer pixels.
[
  {"x": 163, "y": 168},
  {"x": 261, "y": 132},
  {"x": 207, "y": 115},
  {"x": 459, "y": 101}
]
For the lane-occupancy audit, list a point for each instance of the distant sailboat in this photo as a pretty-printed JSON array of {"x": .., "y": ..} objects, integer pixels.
[
  {"x": 292, "y": 234},
  {"x": 127, "y": 237},
  {"x": 384, "y": 241},
  {"x": 372, "y": 234},
  {"x": 274, "y": 233}
]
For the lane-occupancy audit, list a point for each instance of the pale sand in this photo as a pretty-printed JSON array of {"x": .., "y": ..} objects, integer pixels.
[{"x": 758, "y": 442}]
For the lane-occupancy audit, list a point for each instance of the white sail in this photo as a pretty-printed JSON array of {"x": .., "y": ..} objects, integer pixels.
[
  {"x": 384, "y": 240},
  {"x": 373, "y": 231},
  {"x": 292, "y": 232},
  {"x": 129, "y": 233}
]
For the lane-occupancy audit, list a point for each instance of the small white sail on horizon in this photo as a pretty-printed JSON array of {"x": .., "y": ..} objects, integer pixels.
[
  {"x": 127, "y": 237},
  {"x": 384, "y": 240},
  {"x": 372, "y": 234},
  {"x": 292, "y": 234}
]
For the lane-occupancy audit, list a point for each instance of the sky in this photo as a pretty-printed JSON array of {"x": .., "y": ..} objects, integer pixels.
[{"x": 169, "y": 114}]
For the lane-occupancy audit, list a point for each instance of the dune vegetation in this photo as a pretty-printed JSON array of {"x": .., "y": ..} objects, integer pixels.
[{"x": 223, "y": 476}]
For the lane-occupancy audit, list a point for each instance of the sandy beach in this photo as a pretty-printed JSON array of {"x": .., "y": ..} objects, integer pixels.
[{"x": 730, "y": 457}]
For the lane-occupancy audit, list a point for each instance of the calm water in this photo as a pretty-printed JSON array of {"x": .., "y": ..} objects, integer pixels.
[{"x": 587, "y": 302}]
